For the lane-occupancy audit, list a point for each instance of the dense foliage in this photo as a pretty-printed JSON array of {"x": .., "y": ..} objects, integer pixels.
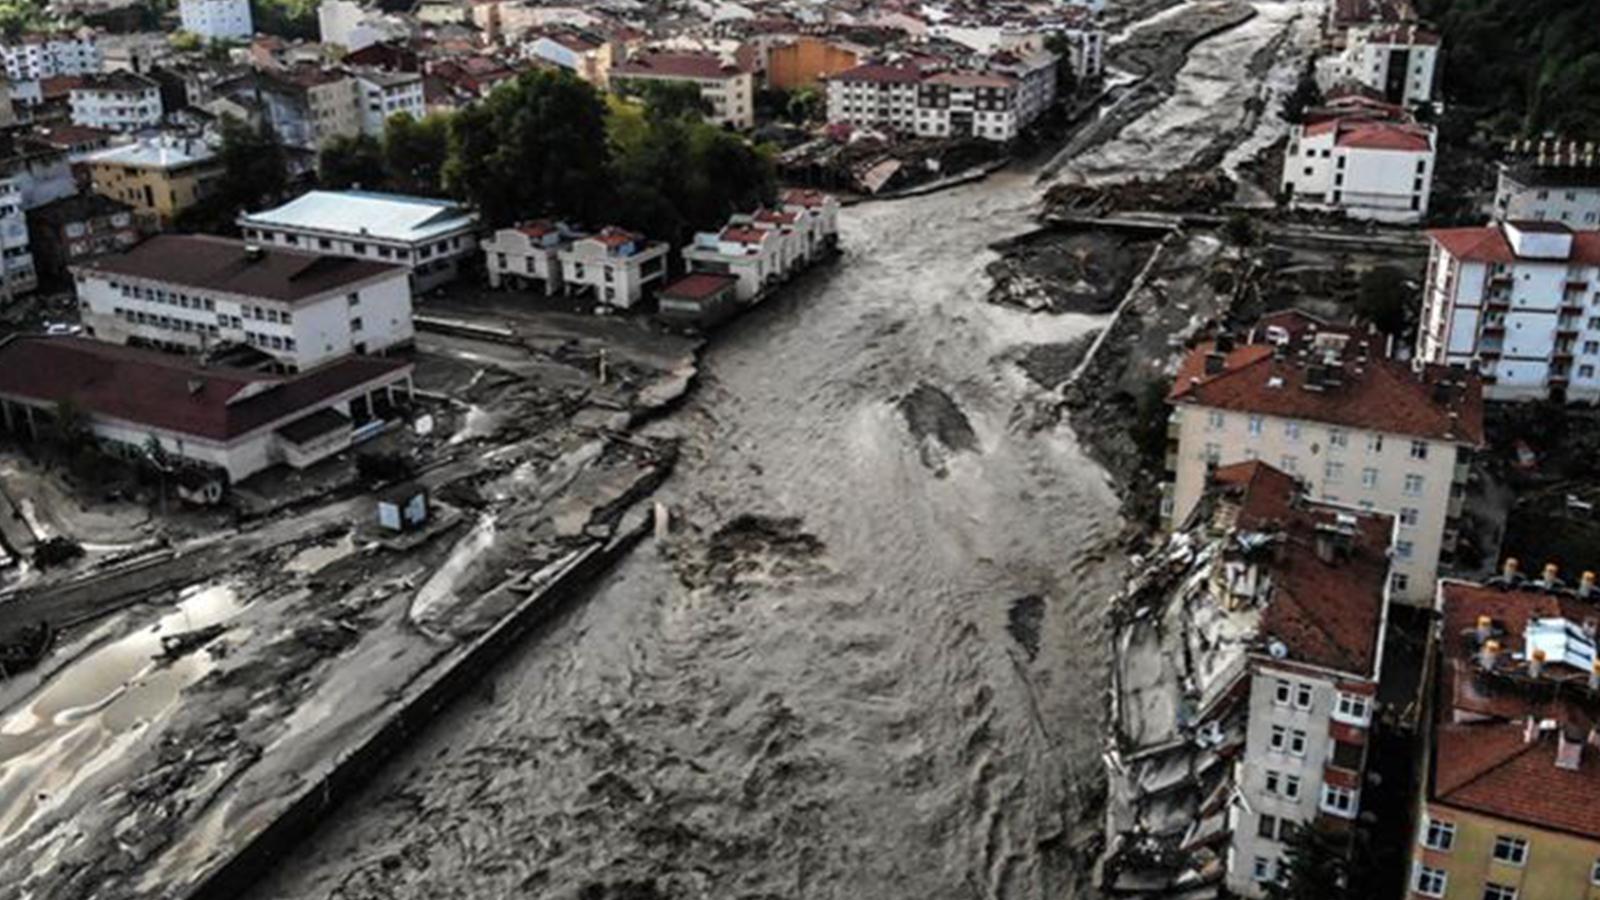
[
  {"x": 1531, "y": 65},
  {"x": 286, "y": 18},
  {"x": 255, "y": 175}
]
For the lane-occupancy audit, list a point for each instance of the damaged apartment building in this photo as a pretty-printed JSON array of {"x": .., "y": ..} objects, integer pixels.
[{"x": 1249, "y": 649}]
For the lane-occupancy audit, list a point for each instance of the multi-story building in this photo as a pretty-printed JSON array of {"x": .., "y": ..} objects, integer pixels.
[
  {"x": 1555, "y": 181},
  {"x": 1510, "y": 800},
  {"x": 614, "y": 265},
  {"x": 159, "y": 177},
  {"x": 819, "y": 214},
  {"x": 1245, "y": 687},
  {"x": 1364, "y": 168},
  {"x": 968, "y": 104},
  {"x": 754, "y": 256},
  {"x": 528, "y": 253},
  {"x": 1519, "y": 302},
  {"x": 355, "y": 25},
  {"x": 1086, "y": 44},
  {"x": 1035, "y": 74},
  {"x": 387, "y": 94},
  {"x": 1396, "y": 61},
  {"x": 803, "y": 61},
  {"x": 1328, "y": 405},
  {"x": 875, "y": 96},
  {"x": 727, "y": 88},
  {"x": 216, "y": 20},
  {"x": 194, "y": 293},
  {"x": 232, "y": 422},
  {"x": 17, "y": 272},
  {"x": 307, "y": 105},
  {"x": 116, "y": 101},
  {"x": 429, "y": 238},
  {"x": 587, "y": 56},
  {"x": 77, "y": 229},
  {"x": 32, "y": 57}
]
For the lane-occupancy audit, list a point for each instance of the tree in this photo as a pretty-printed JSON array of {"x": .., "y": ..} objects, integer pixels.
[
  {"x": 348, "y": 162},
  {"x": 255, "y": 172},
  {"x": 805, "y": 105},
  {"x": 1306, "y": 94},
  {"x": 1385, "y": 297},
  {"x": 672, "y": 100},
  {"x": 415, "y": 152},
  {"x": 1066, "y": 76},
  {"x": 184, "y": 41}
]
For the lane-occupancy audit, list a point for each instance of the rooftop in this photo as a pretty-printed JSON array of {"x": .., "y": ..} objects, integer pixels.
[
  {"x": 1489, "y": 243},
  {"x": 219, "y": 264},
  {"x": 699, "y": 286},
  {"x": 678, "y": 65},
  {"x": 1367, "y": 134},
  {"x": 173, "y": 393},
  {"x": 878, "y": 73},
  {"x": 159, "y": 153},
  {"x": 119, "y": 80},
  {"x": 395, "y": 217}
]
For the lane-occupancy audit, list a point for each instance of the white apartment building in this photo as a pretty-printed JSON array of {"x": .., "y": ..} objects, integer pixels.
[
  {"x": 217, "y": 20},
  {"x": 1397, "y": 61},
  {"x": 969, "y": 104},
  {"x": 752, "y": 255},
  {"x": 195, "y": 292},
  {"x": 430, "y": 238},
  {"x": 528, "y": 253},
  {"x": 1328, "y": 406},
  {"x": 1554, "y": 181},
  {"x": 1086, "y": 48},
  {"x": 117, "y": 101},
  {"x": 18, "y": 275},
  {"x": 614, "y": 265},
  {"x": 728, "y": 89},
  {"x": 875, "y": 96},
  {"x": 1518, "y": 302},
  {"x": 1035, "y": 75},
  {"x": 819, "y": 218},
  {"x": 1366, "y": 169},
  {"x": 32, "y": 57},
  {"x": 386, "y": 94}
]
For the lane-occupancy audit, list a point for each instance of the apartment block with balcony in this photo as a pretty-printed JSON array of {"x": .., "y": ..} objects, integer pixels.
[
  {"x": 18, "y": 274},
  {"x": 32, "y": 57},
  {"x": 1518, "y": 302},
  {"x": 217, "y": 20},
  {"x": 1510, "y": 801},
  {"x": 875, "y": 96},
  {"x": 388, "y": 94},
  {"x": 116, "y": 101},
  {"x": 1367, "y": 169},
  {"x": 1327, "y": 405}
]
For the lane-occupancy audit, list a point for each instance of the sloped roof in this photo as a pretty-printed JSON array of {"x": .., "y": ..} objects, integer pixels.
[
  {"x": 699, "y": 286},
  {"x": 395, "y": 217},
  {"x": 1488, "y": 243},
  {"x": 678, "y": 65},
  {"x": 218, "y": 264}
]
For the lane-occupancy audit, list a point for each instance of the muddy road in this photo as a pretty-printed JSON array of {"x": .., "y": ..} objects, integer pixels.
[{"x": 868, "y": 662}]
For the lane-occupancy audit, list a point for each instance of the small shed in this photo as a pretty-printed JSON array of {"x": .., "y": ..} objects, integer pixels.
[
  {"x": 403, "y": 507},
  {"x": 700, "y": 299}
]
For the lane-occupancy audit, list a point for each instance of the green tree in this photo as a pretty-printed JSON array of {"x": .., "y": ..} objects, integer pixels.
[
  {"x": 415, "y": 152},
  {"x": 286, "y": 18},
  {"x": 1306, "y": 94},
  {"x": 184, "y": 41},
  {"x": 536, "y": 146},
  {"x": 805, "y": 105},
  {"x": 1066, "y": 78},
  {"x": 348, "y": 162},
  {"x": 672, "y": 100},
  {"x": 1385, "y": 298}
]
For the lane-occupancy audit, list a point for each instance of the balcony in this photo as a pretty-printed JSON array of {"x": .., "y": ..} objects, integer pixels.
[{"x": 1497, "y": 301}]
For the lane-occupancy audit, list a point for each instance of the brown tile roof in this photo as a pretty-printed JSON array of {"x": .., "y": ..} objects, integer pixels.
[
  {"x": 678, "y": 65},
  {"x": 806, "y": 197},
  {"x": 1488, "y": 243},
  {"x": 220, "y": 264},
  {"x": 1378, "y": 395},
  {"x": 699, "y": 286},
  {"x": 740, "y": 234},
  {"x": 173, "y": 393},
  {"x": 1265, "y": 493}
]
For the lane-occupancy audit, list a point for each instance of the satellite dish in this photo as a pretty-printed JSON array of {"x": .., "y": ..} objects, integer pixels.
[{"x": 1278, "y": 649}]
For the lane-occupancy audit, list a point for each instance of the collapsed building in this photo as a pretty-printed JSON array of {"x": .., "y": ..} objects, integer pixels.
[{"x": 1249, "y": 649}]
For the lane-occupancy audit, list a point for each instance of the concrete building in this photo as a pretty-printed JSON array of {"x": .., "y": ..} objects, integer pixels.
[
  {"x": 194, "y": 293},
  {"x": 614, "y": 265},
  {"x": 819, "y": 216},
  {"x": 1035, "y": 75},
  {"x": 805, "y": 61},
  {"x": 728, "y": 89},
  {"x": 1398, "y": 62},
  {"x": 33, "y": 57},
  {"x": 1327, "y": 405},
  {"x": 1519, "y": 303},
  {"x": 1554, "y": 181},
  {"x": 430, "y": 238},
  {"x": 1245, "y": 687},
  {"x": 587, "y": 56},
  {"x": 117, "y": 101},
  {"x": 18, "y": 274},
  {"x": 875, "y": 96},
  {"x": 753, "y": 256},
  {"x": 1510, "y": 805},
  {"x": 968, "y": 104},
  {"x": 1364, "y": 168},
  {"x": 524, "y": 254},
  {"x": 355, "y": 26},
  {"x": 307, "y": 105},
  {"x": 233, "y": 422},
  {"x": 217, "y": 20},
  {"x": 159, "y": 177},
  {"x": 76, "y": 229},
  {"x": 387, "y": 94},
  {"x": 1086, "y": 48}
]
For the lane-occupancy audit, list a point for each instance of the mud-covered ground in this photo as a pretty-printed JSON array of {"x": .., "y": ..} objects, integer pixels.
[{"x": 1076, "y": 271}]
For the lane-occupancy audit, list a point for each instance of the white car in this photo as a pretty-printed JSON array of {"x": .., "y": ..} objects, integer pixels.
[{"x": 63, "y": 328}]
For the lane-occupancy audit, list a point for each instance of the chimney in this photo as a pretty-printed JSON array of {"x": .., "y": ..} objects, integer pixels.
[
  {"x": 1216, "y": 362},
  {"x": 1586, "y": 586},
  {"x": 1536, "y": 664},
  {"x": 1485, "y": 629},
  {"x": 1569, "y": 751},
  {"x": 1489, "y": 655}
]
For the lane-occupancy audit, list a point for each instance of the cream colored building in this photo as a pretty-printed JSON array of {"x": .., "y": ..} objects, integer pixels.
[
  {"x": 1328, "y": 406},
  {"x": 159, "y": 177},
  {"x": 728, "y": 89}
]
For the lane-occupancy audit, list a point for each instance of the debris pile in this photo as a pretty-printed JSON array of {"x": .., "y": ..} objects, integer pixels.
[{"x": 1183, "y": 191}]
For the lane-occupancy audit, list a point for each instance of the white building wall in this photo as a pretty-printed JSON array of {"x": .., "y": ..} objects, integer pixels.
[
  {"x": 116, "y": 110},
  {"x": 216, "y": 20}
]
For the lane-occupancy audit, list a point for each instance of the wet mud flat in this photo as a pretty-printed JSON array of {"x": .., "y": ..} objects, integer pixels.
[{"x": 1069, "y": 270}]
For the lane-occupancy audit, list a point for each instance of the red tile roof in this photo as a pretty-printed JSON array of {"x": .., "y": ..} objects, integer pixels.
[
  {"x": 158, "y": 390},
  {"x": 1386, "y": 136},
  {"x": 972, "y": 79},
  {"x": 1265, "y": 492},
  {"x": 678, "y": 65},
  {"x": 220, "y": 264},
  {"x": 1378, "y": 395},
  {"x": 740, "y": 234},
  {"x": 775, "y": 217},
  {"x": 699, "y": 286},
  {"x": 804, "y": 197},
  {"x": 614, "y": 237},
  {"x": 1488, "y": 243}
]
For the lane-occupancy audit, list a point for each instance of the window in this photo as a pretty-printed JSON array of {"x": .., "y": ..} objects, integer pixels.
[
  {"x": 1404, "y": 549},
  {"x": 1413, "y": 484},
  {"x": 1289, "y": 464},
  {"x": 1594, "y": 872},
  {"x": 1409, "y": 516},
  {"x": 353, "y": 299},
  {"x": 1213, "y": 453},
  {"x": 1267, "y": 827},
  {"x": 1338, "y": 437},
  {"x": 1255, "y": 425},
  {"x": 355, "y": 324},
  {"x": 1333, "y": 471},
  {"x": 1281, "y": 693},
  {"x": 1279, "y": 738},
  {"x": 1429, "y": 882},
  {"x": 1338, "y": 801},
  {"x": 1291, "y": 787},
  {"x": 1291, "y": 430},
  {"x": 1441, "y": 835},
  {"x": 1510, "y": 850},
  {"x": 1261, "y": 869},
  {"x": 1352, "y": 706},
  {"x": 1297, "y": 743},
  {"x": 1369, "y": 478},
  {"x": 1399, "y": 582},
  {"x": 1273, "y": 782},
  {"x": 1492, "y": 891},
  {"x": 1214, "y": 419},
  {"x": 1374, "y": 443},
  {"x": 1302, "y": 696},
  {"x": 1419, "y": 449}
]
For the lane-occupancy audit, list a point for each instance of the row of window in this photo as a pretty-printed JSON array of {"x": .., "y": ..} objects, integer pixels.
[
  {"x": 269, "y": 341},
  {"x": 161, "y": 295},
  {"x": 1338, "y": 438},
  {"x": 1430, "y": 882},
  {"x": 171, "y": 323},
  {"x": 1510, "y": 849}
]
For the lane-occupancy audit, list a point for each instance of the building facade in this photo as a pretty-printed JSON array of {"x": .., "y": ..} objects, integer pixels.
[
  {"x": 195, "y": 293},
  {"x": 1366, "y": 169},
  {"x": 18, "y": 274},
  {"x": 1396, "y": 61},
  {"x": 32, "y": 57},
  {"x": 217, "y": 20},
  {"x": 430, "y": 238},
  {"x": 116, "y": 101},
  {"x": 1550, "y": 181},
  {"x": 805, "y": 61},
  {"x": 76, "y": 229},
  {"x": 875, "y": 96},
  {"x": 613, "y": 265},
  {"x": 969, "y": 104},
  {"x": 1518, "y": 302},
  {"x": 159, "y": 177},
  {"x": 526, "y": 254},
  {"x": 388, "y": 94},
  {"x": 728, "y": 89},
  {"x": 1328, "y": 406}
]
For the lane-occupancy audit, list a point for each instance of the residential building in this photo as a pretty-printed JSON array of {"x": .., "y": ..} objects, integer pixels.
[
  {"x": 40, "y": 171},
  {"x": 1556, "y": 181},
  {"x": 1327, "y": 405},
  {"x": 76, "y": 229},
  {"x": 387, "y": 94},
  {"x": 587, "y": 56},
  {"x": 1345, "y": 15},
  {"x": 727, "y": 88},
  {"x": 140, "y": 52},
  {"x": 307, "y": 105},
  {"x": 1086, "y": 47},
  {"x": 355, "y": 26},
  {"x": 159, "y": 177},
  {"x": 875, "y": 96},
  {"x": 216, "y": 20},
  {"x": 805, "y": 61},
  {"x": 1035, "y": 77},
  {"x": 1510, "y": 800},
  {"x": 1364, "y": 168},
  {"x": 33, "y": 57},
  {"x": 968, "y": 104},
  {"x": 1245, "y": 692},
  {"x": 194, "y": 293},
  {"x": 1398, "y": 62},
  {"x": 819, "y": 216},
  {"x": 1519, "y": 303},
  {"x": 699, "y": 299},
  {"x": 76, "y": 141},
  {"x": 231, "y": 421},
  {"x": 614, "y": 265},
  {"x": 117, "y": 101},
  {"x": 527, "y": 253},
  {"x": 17, "y": 272},
  {"x": 430, "y": 238},
  {"x": 754, "y": 256}
]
